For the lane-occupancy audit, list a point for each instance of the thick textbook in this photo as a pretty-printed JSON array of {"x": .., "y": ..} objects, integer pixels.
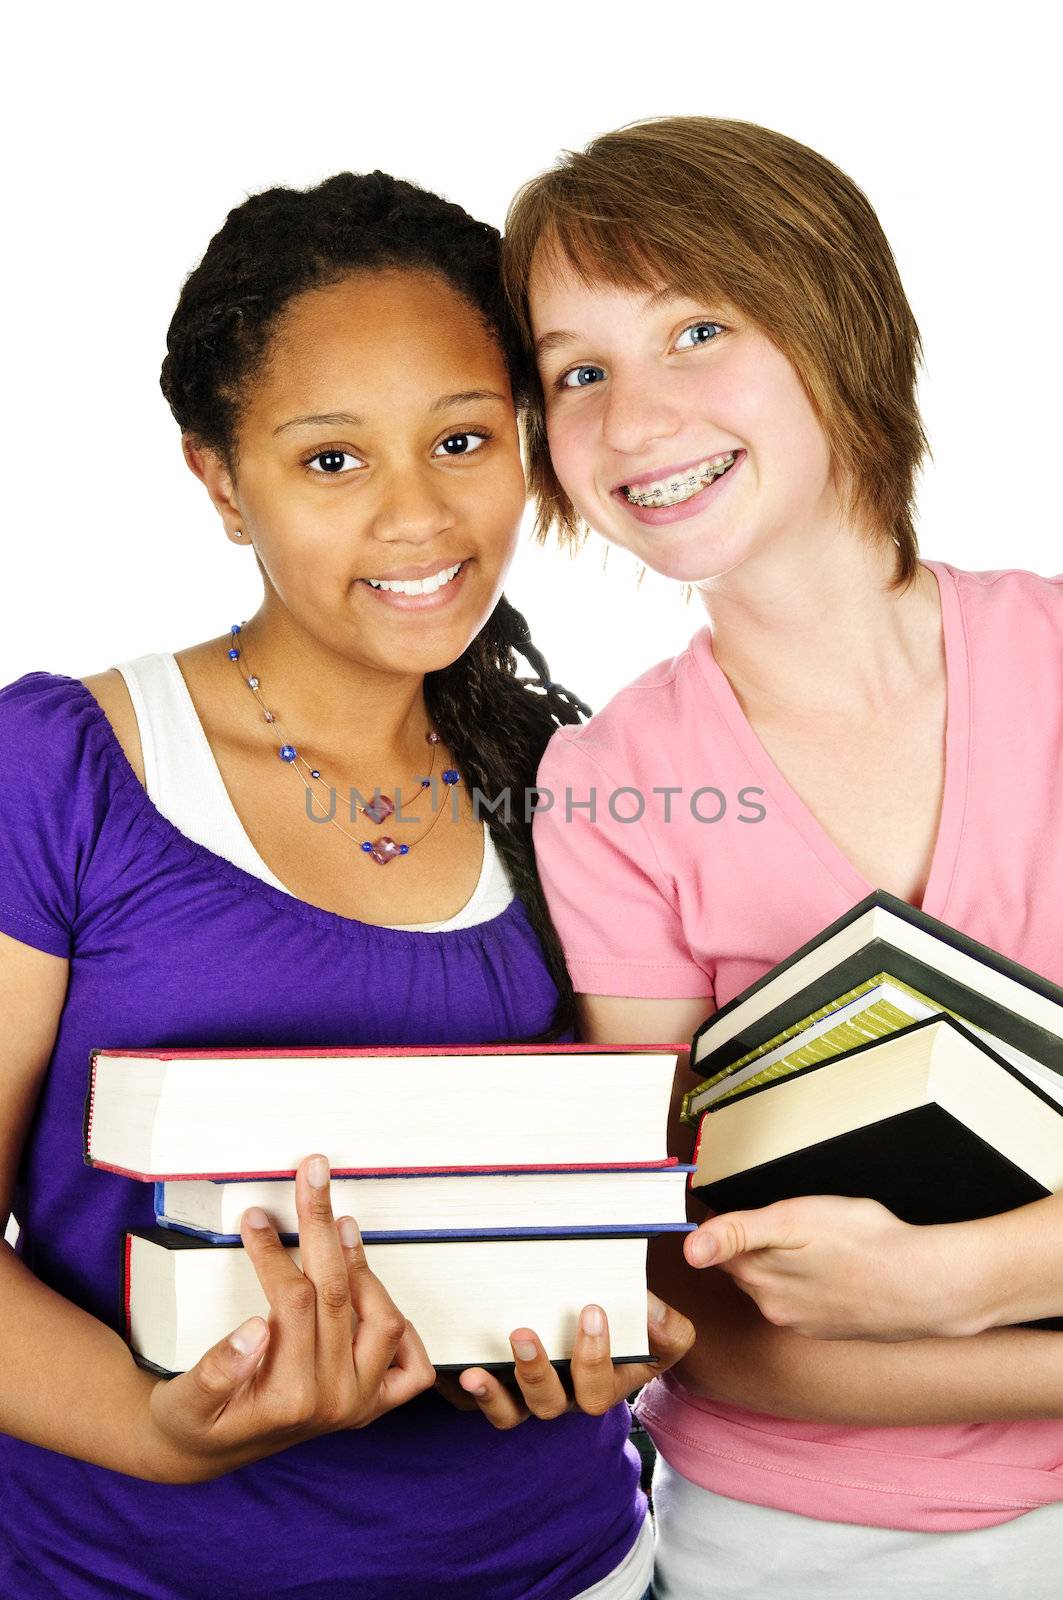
[
  {"x": 464, "y": 1297},
  {"x": 169, "y": 1114},
  {"x": 929, "y": 1120},
  {"x": 427, "y": 1206},
  {"x": 881, "y": 966}
]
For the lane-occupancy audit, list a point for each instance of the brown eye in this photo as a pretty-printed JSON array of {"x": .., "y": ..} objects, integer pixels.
[
  {"x": 461, "y": 444},
  {"x": 332, "y": 462}
]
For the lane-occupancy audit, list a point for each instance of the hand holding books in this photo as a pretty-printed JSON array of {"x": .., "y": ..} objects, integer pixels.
[
  {"x": 337, "y": 1352},
  {"x": 834, "y": 1267},
  {"x": 596, "y": 1383}
]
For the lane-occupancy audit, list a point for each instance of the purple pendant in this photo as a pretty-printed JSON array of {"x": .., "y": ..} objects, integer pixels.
[
  {"x": 379, "y": 808},
  {"x": 384, "y": 850}
]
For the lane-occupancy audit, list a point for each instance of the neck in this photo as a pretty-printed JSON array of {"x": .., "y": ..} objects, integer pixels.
[
  {"x": 336, "y": 705},
  {"x": 818, "y": 623}
]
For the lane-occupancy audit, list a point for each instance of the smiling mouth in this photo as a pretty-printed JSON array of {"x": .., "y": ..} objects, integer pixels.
[
  {"x": 417, "y": 585},
  {"x": 673, "y": 490}
]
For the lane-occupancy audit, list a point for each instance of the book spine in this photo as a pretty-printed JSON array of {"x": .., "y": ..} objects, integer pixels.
[
  {"x": 127, "y": 1287},
  {"x": 311, "y": 1052},
  {"x": 620, "y": 1230},
  {"x": 86, "y": 1125}
]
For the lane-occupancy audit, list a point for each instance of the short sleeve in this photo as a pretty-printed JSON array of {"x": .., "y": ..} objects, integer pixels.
[
  {"x": 615, "y": 912},
  {"x": 50, "y": 809}
]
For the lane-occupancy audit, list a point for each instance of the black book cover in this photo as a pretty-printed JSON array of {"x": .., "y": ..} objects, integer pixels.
[
  {"x": 922, "y": 1164},
  {"x": 879, "y": 955}
]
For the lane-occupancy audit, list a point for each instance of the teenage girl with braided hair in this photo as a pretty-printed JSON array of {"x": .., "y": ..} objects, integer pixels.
[{"x": 344, "y": 378}]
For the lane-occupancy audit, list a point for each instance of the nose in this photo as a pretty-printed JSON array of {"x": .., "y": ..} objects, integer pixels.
[
  {"x": 638, "y": 410},
  {"x": 413, "y": 508}
]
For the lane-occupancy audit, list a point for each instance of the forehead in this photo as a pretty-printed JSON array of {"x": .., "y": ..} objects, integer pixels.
[
  {"x": 384, "y": 331},
  {"x": 564, "y": 300}
]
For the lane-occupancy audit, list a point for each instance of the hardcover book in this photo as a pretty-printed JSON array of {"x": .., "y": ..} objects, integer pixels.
[
  {"x": 464, "y": 1297},
  {"x": 169, "y": 1114},
  {"x": 466, "y": 1205},
  {"x": 928, "y": 1120}
]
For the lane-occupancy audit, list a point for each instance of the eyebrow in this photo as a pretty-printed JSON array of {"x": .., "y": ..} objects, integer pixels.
[
  {"x": 328, "y": 419},
  {"x": 550, "y": 341}
]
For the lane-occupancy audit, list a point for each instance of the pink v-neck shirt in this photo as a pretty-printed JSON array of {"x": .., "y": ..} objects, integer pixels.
[{"x": 692, "y": 906}]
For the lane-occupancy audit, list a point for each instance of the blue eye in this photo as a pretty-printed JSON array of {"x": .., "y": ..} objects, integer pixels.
[
  {"x": 700, "y": 333},
  {"x": 461, "y": 444},
  {"x": 580, "y": 377},
  {"x": 332, "y": 462}
]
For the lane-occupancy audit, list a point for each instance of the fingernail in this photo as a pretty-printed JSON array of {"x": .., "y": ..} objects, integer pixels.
[
  {"x": 480, "y": 1392},
  {"x": 317, "y": 1172},
  {"x": 349, "y": 1234},
  {"x": 591, "y": 1320},
  {"x": 702, "y": 1248},
  {"x": 248, "y": 1336},
  {"x": 255, "y": 1217},
  {"x": 657, "y": 1309},
  {"x": 524, "y": 1350}
]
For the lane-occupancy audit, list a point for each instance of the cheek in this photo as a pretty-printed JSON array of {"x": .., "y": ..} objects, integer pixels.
[
  {"x": 571, "y": 453},
  {"x": 492, "y": 505}
]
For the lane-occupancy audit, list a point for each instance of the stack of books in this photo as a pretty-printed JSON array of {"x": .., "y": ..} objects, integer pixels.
[
  {"x": 890, "y": 1057},
  {"x": 495, "y": 1188}
]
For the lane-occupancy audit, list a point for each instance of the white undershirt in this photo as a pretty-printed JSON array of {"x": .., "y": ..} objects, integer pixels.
[{"x": 184, "y": 783}]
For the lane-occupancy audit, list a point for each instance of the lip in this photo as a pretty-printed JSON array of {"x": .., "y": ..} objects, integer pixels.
[
  {"x": 661, "y": 516},
  {"x": 436, "y": 601},
  {"x": 675, "y": 471}
]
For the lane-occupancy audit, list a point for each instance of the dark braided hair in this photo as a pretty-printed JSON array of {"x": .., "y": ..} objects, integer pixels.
[{"x": 274, "y": 247}]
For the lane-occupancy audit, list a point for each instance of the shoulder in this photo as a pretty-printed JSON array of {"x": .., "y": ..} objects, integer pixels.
[
  {"x": 638, "y": 723},
  {"x": 64, "y": 730},
  {"x": 45, "y": 706},
  {"x": 1010, "y": 598},
  {"x": 109, "y": 691}
]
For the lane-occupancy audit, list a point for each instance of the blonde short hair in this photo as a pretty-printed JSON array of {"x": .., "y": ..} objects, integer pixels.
[{"x": 736, "y": 211}]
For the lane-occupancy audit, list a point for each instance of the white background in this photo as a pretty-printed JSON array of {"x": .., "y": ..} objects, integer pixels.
[{"x": 129, "y": 131}]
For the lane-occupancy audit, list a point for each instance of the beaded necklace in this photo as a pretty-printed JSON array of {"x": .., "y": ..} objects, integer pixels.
[{"x": 383, "y": 849}]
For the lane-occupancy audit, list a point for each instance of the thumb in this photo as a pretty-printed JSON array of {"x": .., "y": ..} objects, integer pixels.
[
  {"x": 217, "y": 1375},
  {"x": 733, "y": 1233},
  {"x": 670, "y": 1333}
]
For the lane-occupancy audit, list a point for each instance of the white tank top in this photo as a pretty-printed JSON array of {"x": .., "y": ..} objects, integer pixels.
[{"x": 183, "y": 780}]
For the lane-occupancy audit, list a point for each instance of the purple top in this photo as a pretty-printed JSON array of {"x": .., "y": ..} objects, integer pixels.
[{"x": 170, "y": 945}]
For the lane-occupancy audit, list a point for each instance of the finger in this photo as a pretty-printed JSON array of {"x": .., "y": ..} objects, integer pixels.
[
  {"x": 379, "y": 1324},
  {"x": 502, "y": 1408},
  {"x": 323, "y": 1262},
  {"x": 537, "y": 1381},
  {"x": 291, "y": 1295},
  {"x": 732, "y": 1234},
  {"x": 410, "y": 1372},
  {"x": 671, "y": 1334},
  {"x": 208, "y": 1387},
  {"x": 594, "y": 1379}
]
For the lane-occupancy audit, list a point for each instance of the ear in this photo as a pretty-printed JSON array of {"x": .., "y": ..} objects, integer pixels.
[{"x": 218, "y": 481}]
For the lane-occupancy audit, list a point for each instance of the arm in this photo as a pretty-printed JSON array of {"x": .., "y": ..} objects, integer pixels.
[
  {"x": 742, "y": 1359},
  {"x": 69, "y": 1383}
]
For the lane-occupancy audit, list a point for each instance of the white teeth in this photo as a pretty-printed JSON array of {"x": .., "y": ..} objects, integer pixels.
[
  {"x": 416, "y": 585},
  {"x": 673, "y": 491}
]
